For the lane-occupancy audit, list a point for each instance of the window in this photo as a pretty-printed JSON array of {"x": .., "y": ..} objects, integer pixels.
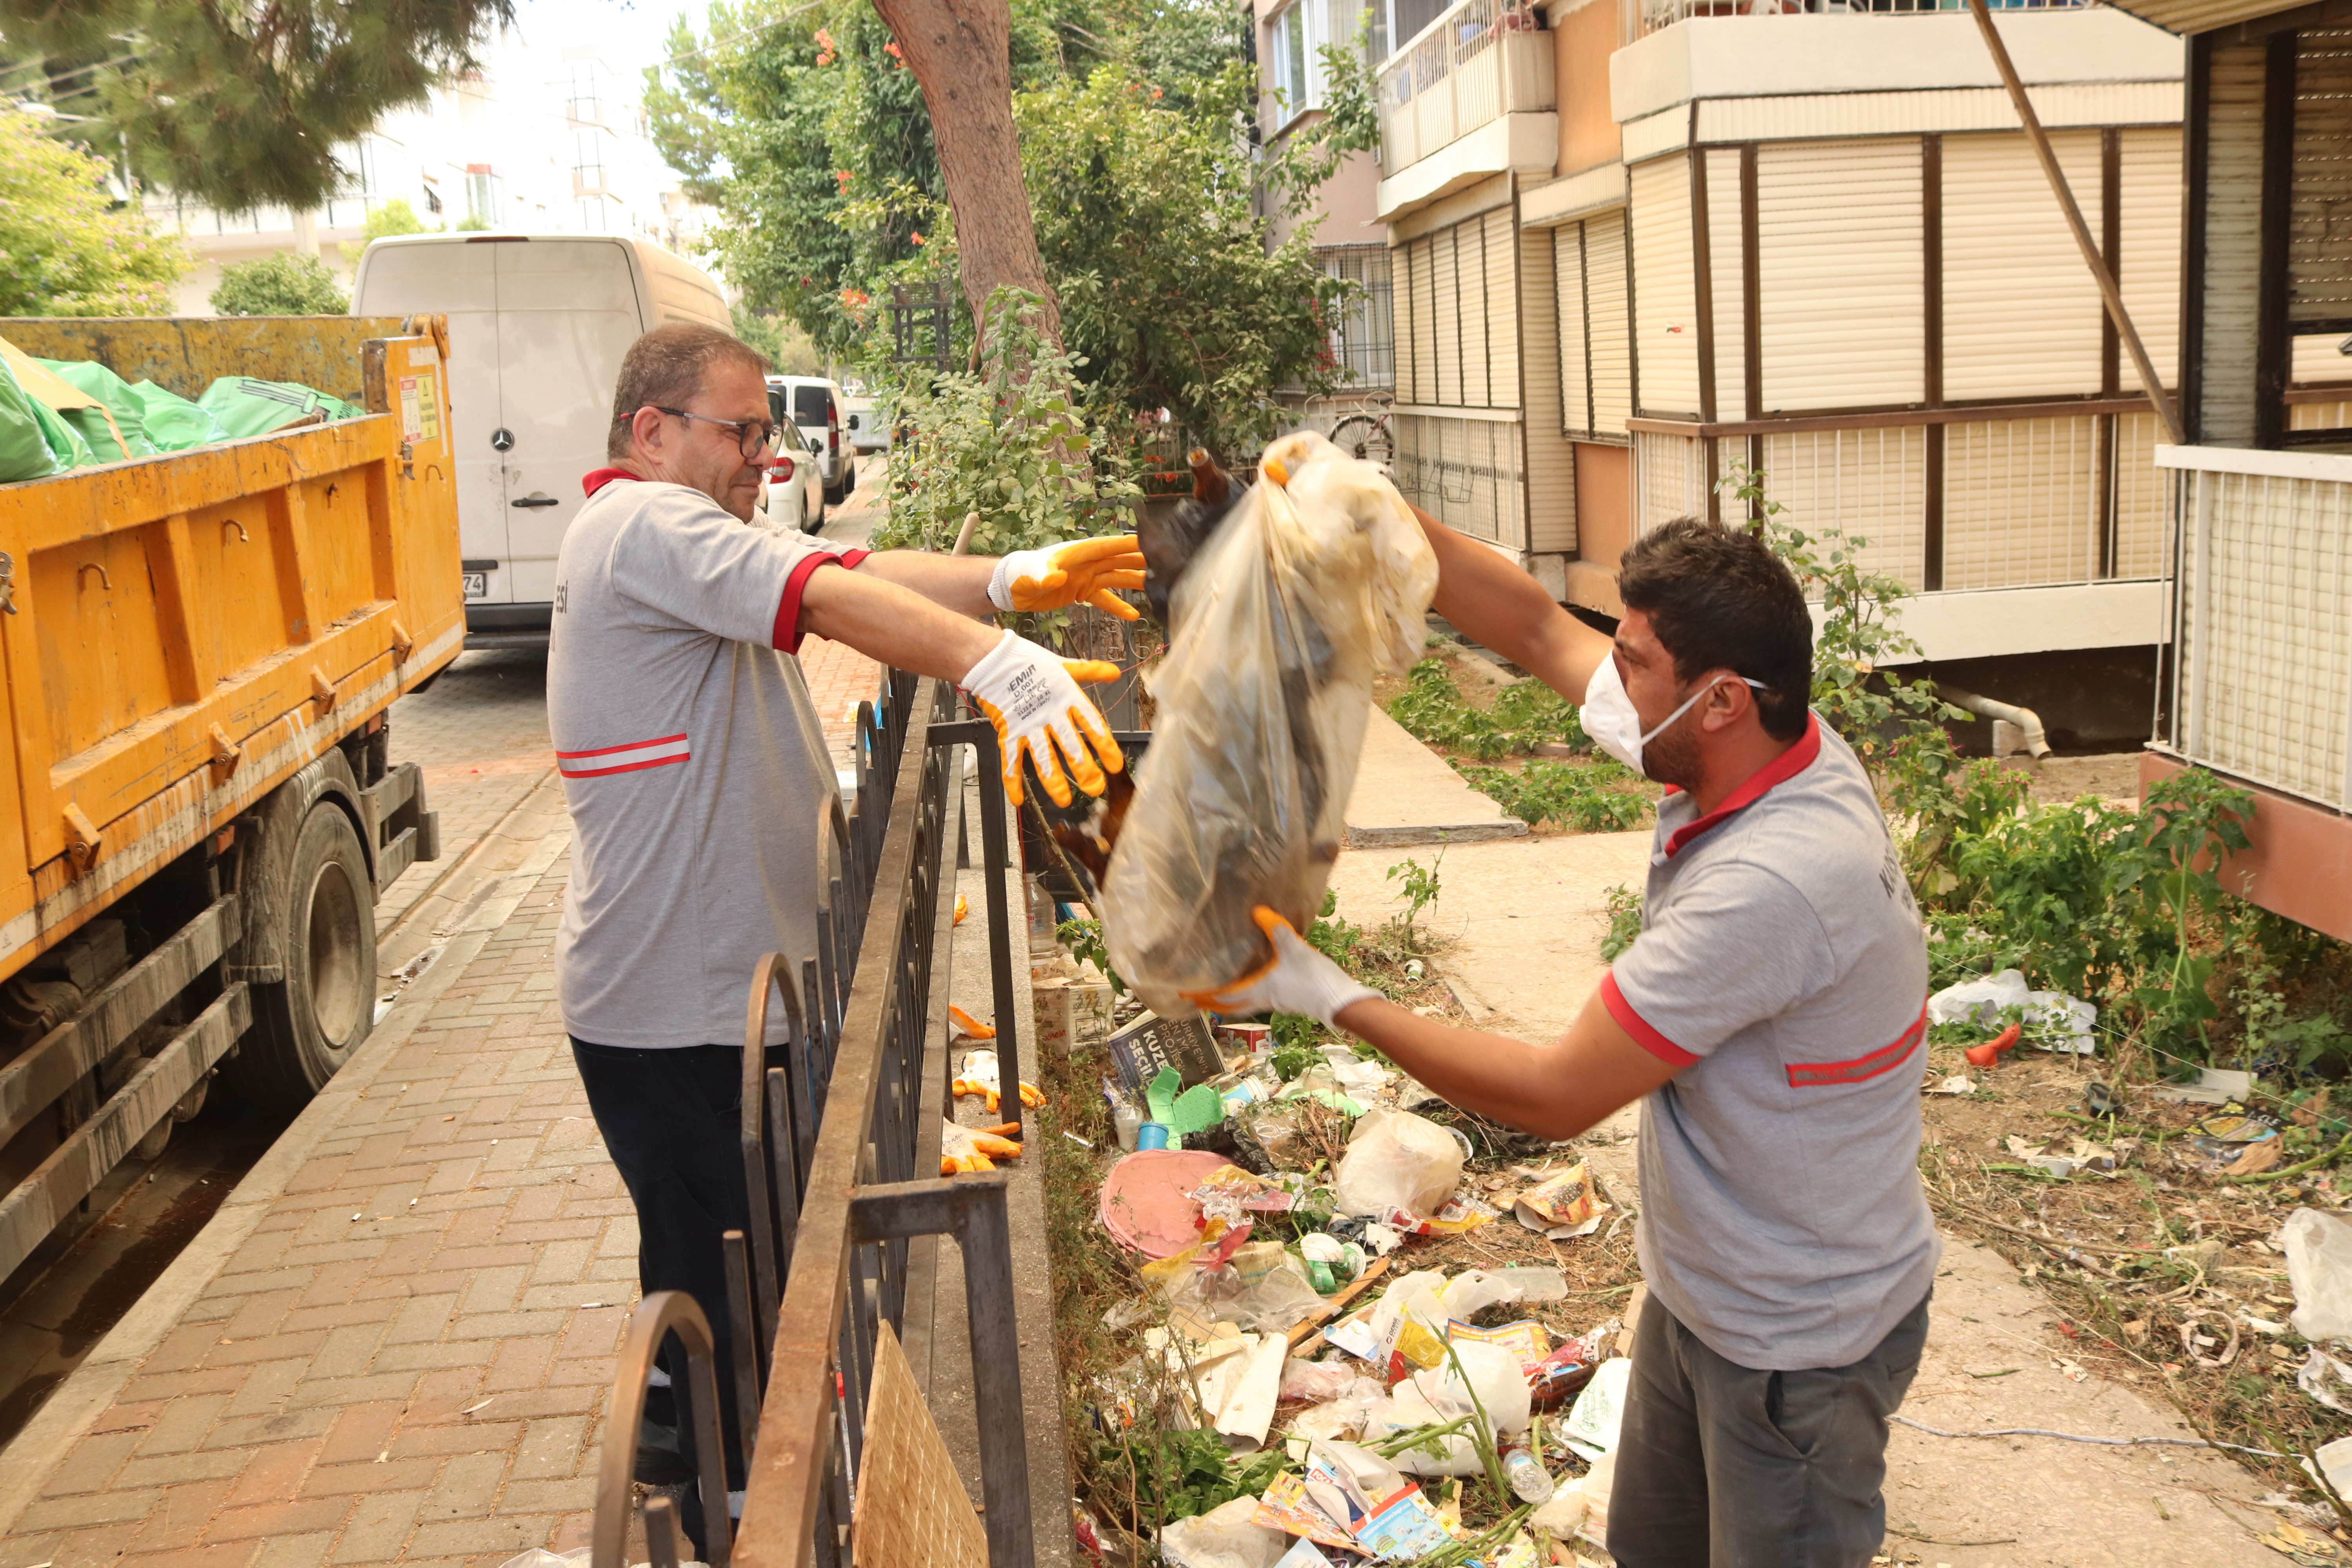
[
  {"x": 584, "y": 105},
  {"x": 1295, "y": 41},
  {"x": 809, "y": 404},
  {"x": 1362, "y": 340},
  {"x": 587, "y": 162},
  {"x": 486, "y": 195},
  {"x": 432, "y": 200}
]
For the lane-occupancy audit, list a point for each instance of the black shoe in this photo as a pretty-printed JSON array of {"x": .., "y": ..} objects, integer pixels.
[{"x": 660, "y": 1462}]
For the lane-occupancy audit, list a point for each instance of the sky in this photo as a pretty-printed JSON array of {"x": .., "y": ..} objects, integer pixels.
[{"x": 631, "y": 33}]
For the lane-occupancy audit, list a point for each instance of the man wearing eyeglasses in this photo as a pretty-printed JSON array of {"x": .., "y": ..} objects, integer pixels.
[{"x": 697, "y": 777}]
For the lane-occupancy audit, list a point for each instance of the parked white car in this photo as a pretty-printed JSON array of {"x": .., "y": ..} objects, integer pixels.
[
  {"x": 796, "y": 488},
  {"x": 816, "y": 406}
]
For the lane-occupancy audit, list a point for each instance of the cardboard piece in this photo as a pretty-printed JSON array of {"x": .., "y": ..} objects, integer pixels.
[{"x": 911, "y": 1509}]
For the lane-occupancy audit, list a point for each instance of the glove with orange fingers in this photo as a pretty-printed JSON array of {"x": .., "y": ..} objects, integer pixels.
[
  {"x": 1082, "y": 571},
  {"x": 1298, "y": 980},
  {"x": 963, "y": 1149},
  {"x": 1032, "y": 696}
]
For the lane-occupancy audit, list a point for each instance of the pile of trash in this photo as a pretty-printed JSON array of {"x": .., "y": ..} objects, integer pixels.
[{"x": 1269, "y": 1194}]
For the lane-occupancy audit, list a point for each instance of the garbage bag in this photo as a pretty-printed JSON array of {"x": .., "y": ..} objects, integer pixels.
[
  {"x": 1983, "y": 1000},
  {"x": 129, "y": 413},
  {"x": 245, "y": 407},
  {"x": 33, "y": 441},
  {"x": 1223, "y": 1538},
  {"x": 1439, "y": 1395},
  {"x": 1315, "y": 581},
  {"x": 2319, "y": 1271},
  {"x": 1397, "y": 1160},
  {"x": 172, "y": 423}
]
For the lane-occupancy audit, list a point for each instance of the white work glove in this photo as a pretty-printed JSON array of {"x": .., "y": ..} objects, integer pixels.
[
  {"x": 1083, "y": 571},
  {"x": 1031, "y": 695},
  {"x": 1300, "y": 980}
]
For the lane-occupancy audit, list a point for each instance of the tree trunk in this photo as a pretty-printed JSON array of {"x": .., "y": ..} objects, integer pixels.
[{"x": 960, "y": 53}]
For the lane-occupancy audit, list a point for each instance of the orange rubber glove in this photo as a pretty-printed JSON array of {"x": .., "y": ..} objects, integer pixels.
[
  {"x": 1031, "y": 694},
  {"x": 1082, "y": 571}
]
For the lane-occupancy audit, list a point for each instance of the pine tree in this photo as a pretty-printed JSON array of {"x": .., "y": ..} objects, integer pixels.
[{"x": 241, "y": 106}]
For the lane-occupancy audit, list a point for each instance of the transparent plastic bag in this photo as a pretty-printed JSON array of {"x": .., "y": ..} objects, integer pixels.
[{"x": 1316, "y": 582}]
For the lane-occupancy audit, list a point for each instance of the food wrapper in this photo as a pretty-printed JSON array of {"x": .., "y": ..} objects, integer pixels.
[
  {"x": 1286, "y": 1507},
  {"x": 1565, "y": 1202},
  {"x": 1459, "y": 1214},
  {"x": 1524, "y": 1339},
  {"x": 1318, "y": 581}
]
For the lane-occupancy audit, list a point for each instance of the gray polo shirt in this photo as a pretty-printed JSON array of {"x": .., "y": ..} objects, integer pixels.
[
  {"x": 692, "y": 759},
  {"x": 1782, "y": 967}
]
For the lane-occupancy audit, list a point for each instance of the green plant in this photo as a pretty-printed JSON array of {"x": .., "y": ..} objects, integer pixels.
[
  {"x": 281, "y": 285},
  {"x": 1084, "y": 940},
  {"x": 63, "y": 251},
  {"x": 1625, "y": 921},
  {"x": 1180, "y": 1474},
  {"x": 390, "y": 219},
  {"x": 1525, "y": 715},
  {"x": 2191, "y": 821},
  {"x": 1022, "y": 451},
  {"x": 1421, "y": 884},
  {"x": 1588, "y": 796}
]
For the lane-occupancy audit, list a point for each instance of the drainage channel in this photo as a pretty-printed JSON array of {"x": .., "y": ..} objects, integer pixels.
[{"x": 63, "y": 1299}]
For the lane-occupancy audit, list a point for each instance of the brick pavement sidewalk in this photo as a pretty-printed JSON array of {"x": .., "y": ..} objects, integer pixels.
[{"x": 407, "y": 1358}]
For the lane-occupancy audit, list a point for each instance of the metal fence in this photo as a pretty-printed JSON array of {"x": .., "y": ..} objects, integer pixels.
[{"x": 840, "y": 1143}]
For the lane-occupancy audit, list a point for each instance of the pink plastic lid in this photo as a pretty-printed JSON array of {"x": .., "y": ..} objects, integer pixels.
[{"x": 1146, "y": 1202}]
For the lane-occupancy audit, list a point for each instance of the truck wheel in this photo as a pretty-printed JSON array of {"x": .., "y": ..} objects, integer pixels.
[{"x": 307, "y": 1028}]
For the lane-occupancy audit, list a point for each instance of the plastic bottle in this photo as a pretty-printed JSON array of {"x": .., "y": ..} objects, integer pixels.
[
  {"x": 1526, "y": 1475},
  {"x": 1125, "y": 1119}
]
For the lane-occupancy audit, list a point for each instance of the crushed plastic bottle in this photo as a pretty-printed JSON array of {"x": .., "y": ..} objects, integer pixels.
[{"x": 1526, "y": 1475}]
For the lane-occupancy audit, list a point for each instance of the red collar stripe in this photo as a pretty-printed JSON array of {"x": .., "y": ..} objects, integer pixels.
[
  {"x": 1634, "y": 1024},
  {"x": 591, "y": 483},
  {"x": 1819, "y": 1074},
  {"x": 1778, "y": 771}
]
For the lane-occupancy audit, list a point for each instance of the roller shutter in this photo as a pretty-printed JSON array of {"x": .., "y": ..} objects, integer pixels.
[
  {"x": 2147, "y": 250},
  {"x": 1841, "y": 253},
  {"x": 1500, "y": 312},
  {"x": 1401, "y": 303},
  {"x": 1568, "y": 295},
  {"x": 1665, "y": 323},
  {"x": 2319, "y": 220},
  {"x": 2021, "y": 314},
  {"x": 2233, "y": 211},
  {"x": 1609, "y": 323},
  {"x": 1725, "y": 269},
  {"x": 1445, "y": 288}
]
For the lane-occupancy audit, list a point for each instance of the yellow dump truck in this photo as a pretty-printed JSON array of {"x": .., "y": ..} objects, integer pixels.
[{"x": 196, "y": 814}]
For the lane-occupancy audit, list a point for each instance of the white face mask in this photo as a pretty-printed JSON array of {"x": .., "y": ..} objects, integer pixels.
[{"x": 1609, "y": 718}]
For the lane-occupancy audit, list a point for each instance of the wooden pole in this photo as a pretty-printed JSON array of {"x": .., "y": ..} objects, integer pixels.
[{"x": 2149, "y": 379}]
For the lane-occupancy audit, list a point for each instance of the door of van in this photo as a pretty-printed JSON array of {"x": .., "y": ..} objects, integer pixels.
[
  {"x": 568, "y": 312},
  {"x": 460, "y": 281}
]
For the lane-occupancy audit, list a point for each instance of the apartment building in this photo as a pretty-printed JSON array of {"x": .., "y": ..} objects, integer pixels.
[
  {"x": 2258, "y": 686},
  {"x": 1638, "y": 244},
  {"x": 544, "y": 140}
]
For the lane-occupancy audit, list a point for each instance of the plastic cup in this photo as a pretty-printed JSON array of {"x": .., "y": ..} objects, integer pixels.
[{"x": 1152, "y": 1135}]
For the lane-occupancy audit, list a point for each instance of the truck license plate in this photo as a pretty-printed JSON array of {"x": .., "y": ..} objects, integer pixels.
[{"x": 478, "y": 584}]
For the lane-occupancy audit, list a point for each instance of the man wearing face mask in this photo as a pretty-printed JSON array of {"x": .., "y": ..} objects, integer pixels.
[{"x": 1769, "y": 1018}]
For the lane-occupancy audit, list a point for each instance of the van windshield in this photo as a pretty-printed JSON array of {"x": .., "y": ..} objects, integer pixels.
[
  {"x": 776, "y": 405},
  {"x": 808, "y": 405}
]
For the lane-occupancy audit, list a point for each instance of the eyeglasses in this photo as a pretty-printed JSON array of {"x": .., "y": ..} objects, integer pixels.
[{"x": 752, "y": 436}]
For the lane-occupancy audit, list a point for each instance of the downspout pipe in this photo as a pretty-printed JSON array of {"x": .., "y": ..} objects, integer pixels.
[{"x": 2025, "y": 719}]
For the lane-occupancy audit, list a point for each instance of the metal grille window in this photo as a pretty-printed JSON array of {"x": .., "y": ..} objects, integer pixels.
[
  {"x": 1469, "y": 474},
  {"x": 1363, "y": 340}
]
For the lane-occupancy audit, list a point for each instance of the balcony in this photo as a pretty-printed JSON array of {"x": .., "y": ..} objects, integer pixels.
[
  {"x": 1480, "y": 62},
  {"x": 1640, "y": 18}
]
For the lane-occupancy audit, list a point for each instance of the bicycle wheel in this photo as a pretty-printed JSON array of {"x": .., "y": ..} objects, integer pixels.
[{"x": 1365, "y": 438}]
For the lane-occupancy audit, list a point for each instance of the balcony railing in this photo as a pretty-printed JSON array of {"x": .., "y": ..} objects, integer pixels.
[
  {"x": 1640, "y": 18},
  {"x": 2260, "y": 684},
  {"x": 1480, "y": 60}
]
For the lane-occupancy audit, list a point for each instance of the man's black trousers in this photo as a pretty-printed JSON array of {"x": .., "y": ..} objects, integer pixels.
[{"x": 671, "y": 1121}]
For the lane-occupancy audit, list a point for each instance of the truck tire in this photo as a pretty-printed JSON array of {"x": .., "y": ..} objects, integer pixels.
[{"x": 323, "y": 904}]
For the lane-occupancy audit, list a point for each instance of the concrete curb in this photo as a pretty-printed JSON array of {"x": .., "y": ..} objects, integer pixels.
[{"x": 27, "y": 1462}]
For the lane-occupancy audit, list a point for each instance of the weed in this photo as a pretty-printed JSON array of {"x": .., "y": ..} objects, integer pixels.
[
  {"x": 1525, "y": 715},
  {"x": 1083, "y": 939},
  {"x": 1586, "y": 797},
  {"x": 1625, "y": 921},
  {"x": 1421, "y": 884}
]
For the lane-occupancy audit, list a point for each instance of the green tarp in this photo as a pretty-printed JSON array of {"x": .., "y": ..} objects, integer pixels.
[{"x": 36, "y": 441}]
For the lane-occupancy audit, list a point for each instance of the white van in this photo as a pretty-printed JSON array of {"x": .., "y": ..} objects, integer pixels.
[{"x": 537, "y": 324}]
